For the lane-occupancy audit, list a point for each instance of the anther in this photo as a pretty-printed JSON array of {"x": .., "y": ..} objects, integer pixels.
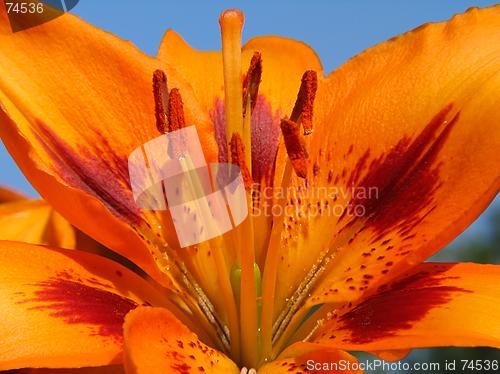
[
  {"x": 160, "y": 94},
  {"x": 238, "y": 159},
  {"x": 252, "y": 81},
  {"x": 175, "y": 116},
  {"x": 294, "y": 146},
  {"x": 303, "y": 109}
]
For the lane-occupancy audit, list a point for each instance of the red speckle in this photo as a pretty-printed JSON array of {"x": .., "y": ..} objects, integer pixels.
[
  {"x": 181, "y": 368},
  {"x": 315, "y": 169}
]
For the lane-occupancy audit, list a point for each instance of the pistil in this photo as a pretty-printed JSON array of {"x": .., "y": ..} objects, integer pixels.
[
  {"x": 231, "y": 24},
  {"x": 247, "y": 292}
]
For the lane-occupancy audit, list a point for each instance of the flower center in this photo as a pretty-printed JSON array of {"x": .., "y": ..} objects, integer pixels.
[{"x": 249, "y": 332}]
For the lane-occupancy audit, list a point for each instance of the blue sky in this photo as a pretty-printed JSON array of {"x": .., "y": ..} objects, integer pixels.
[{"x": 337, "y": 30}]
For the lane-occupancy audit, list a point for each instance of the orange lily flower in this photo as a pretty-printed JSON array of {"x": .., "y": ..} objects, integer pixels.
[{"x": 341, "y": 218}]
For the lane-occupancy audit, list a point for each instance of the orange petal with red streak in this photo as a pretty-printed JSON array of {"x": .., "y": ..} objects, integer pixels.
[
  {"x": 72, "y": 116},
  {"x": 407, "y": 134},
  {"x": 157, "y": 342},
  {"x": 430, "y": 306},
  {"x": 65, "y": 308}
]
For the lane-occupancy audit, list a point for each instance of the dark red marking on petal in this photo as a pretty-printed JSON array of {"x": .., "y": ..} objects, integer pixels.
[
  {"x": 315, "y": 169},
  {"x": 265, "y": 131},
  {"x": 350, "y": 149},
  {"x": 265, "y": 140},
  {"x": 99, "y": 172},
  {"x": 76, "y": 303},
  {"x": 397, "y": 307},
  {"x": 181, "y": 368},
  {"x": 405, "y": 179},
  {"x": 358, "y": 169}
]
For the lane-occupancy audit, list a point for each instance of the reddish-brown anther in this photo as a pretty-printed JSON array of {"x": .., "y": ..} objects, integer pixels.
[
  {"x": 294, "y": 146},
  {"x": 159, "y": 92},
  {"x": 238, "y": 159},
  {"x": 305, "y": 101},
  {"x": 176, "y": 122},
  {"x": 252, "y": 81}
]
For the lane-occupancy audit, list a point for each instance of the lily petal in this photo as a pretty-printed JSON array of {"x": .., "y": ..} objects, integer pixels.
[
  {"x": 429, "y": 306},
  {"x": 157, "y": 342},
  {"x": 8, "y": 195},
  {"x": 34, "y": 221},
  {"x": 407, "y": 134},
  {"x": 284, "y": 63},
  {"x": 64, "y": 308},
  {"x": 73, "y": 109}
]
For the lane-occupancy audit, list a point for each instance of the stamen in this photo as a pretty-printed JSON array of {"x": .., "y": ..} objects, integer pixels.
[
  {"x": 252, "y": 81},
  {"x": 176, "y": 121},
  {"x": 238, "y": 158},
  {"x": 303, "y": 109},
  {"x": 175, "y": 111},
  {"x": 231, "y": 24},
  {"x": 294, "y": 146},
  {"x": 160, "y": 94}
]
